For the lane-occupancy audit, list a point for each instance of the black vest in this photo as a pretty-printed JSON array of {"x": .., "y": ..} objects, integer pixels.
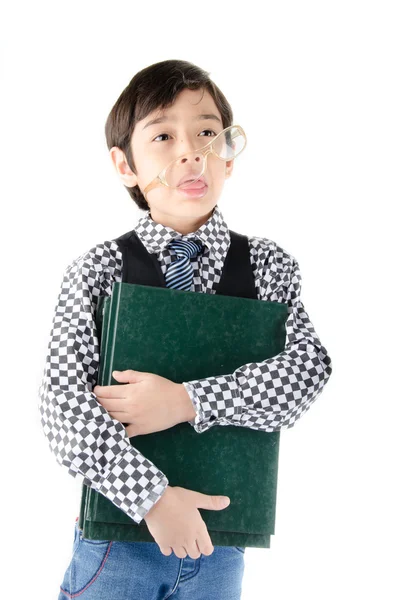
[{"x": 143, "y": 268}]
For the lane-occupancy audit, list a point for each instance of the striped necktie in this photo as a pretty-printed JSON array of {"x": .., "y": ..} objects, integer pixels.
[{"x": 179, "y": 274}]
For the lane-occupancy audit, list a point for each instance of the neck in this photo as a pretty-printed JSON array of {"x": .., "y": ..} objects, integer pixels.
[{"x": 182, "y": 225}]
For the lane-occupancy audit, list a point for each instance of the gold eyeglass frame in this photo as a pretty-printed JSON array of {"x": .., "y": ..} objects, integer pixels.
[{"x": 205, "y": 151}]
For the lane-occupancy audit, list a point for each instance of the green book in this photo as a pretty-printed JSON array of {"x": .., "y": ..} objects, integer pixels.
[{"x": 184, "y": 336}]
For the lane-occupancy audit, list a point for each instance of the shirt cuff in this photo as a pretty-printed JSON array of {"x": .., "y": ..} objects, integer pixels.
[
  {"x": 134, "y": 484},
  {"x": 217, "y": 401}
]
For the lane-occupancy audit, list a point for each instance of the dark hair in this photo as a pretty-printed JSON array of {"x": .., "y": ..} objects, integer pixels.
[{"x": 156, "y": 86}]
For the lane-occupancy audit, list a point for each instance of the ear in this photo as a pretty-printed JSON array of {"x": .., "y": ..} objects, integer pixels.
[
  {"x": 229, "y": 168},
  {"x": 123, "y": 170}
]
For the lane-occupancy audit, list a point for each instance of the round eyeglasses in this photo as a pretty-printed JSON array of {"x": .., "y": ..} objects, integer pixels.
[{"x": 186, "y": 169}]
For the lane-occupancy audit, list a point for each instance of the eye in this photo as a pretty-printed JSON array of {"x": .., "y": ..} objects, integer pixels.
[
  {"x": 210, "y": 131},
  {"x": 162, "y": 134}
]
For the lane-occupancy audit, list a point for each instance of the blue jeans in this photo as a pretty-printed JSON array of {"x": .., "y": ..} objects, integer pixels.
[{"x": 108, "y": 570}]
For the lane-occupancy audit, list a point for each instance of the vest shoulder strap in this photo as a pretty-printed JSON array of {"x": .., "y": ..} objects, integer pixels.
[{"x": 143, "y": 268}]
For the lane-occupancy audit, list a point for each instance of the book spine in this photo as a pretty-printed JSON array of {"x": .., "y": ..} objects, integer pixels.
[
  {"x": 103, "y": 329},
  {"x": 111, "y": 330}
]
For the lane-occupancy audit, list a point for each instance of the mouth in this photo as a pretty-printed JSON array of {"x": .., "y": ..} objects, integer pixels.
[{"x": 197, "y": 185}]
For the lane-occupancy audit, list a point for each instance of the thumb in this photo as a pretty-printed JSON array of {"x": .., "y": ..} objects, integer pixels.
[{"x": 211, "y": 502}]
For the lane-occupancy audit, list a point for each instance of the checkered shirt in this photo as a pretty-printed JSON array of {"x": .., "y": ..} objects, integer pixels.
[{"x": 267, "y": 395}]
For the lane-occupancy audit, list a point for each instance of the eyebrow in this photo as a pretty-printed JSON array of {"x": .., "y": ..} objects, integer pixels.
[{"x": 204, "y": 117}]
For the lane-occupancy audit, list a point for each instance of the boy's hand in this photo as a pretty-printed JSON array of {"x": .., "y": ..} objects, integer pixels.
[
  {"x": 177, "y": 525},
  {"x": 147, "y": 402}
]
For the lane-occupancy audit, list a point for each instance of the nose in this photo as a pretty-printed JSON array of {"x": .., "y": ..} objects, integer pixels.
[{"x": 194, "y": 156}]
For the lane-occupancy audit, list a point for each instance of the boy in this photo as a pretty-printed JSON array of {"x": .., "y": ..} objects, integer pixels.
[{"x": 161, "y": 116}]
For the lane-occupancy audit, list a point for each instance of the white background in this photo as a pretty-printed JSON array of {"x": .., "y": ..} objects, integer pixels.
[{"x": 314, "y": 86}]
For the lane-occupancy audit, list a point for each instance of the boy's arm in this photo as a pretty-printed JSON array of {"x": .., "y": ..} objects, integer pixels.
[
  {"x": 276, "y": 392},
  {"x": 80, "y": 432}
]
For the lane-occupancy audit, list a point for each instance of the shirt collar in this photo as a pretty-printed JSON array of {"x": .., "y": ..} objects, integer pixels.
[{"x": 214, "y": 234}]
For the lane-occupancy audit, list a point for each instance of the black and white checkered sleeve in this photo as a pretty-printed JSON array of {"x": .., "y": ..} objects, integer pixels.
[
  {"x": 80, "y": 432},
  {"x": 276, "y": 392}
]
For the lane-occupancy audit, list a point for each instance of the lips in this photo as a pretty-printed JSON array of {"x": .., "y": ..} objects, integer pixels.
[{"x": 197, "y": 185}]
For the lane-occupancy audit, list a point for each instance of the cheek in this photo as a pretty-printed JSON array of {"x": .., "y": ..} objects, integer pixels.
[
  {"x": 148, "y": 167},
  {"x": 160, "y": 196},
  {"x": 216, "y": 170},
  {"x": 217, "y": 179},
  {"x": 145, "y": 177}
]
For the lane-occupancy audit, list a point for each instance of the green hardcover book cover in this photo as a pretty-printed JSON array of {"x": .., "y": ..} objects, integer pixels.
[{"x": 182, "y": 337}]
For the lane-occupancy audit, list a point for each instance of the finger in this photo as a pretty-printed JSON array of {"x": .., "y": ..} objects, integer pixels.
[
  {"x": 180, "y": 551},
  {"x": 110, "y": 391},
  {"x": 166, "y": 550},
  {"x": 112, "y": 404},
  {"x": 204, "y": 543},
  {"x": 119, "y": 416},
  {"x": 129, "y": 374},
  {"x": 193, "y": 550}
]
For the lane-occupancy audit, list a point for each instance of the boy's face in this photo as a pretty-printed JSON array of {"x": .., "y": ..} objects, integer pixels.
[{"x": 154, "y": 146}]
